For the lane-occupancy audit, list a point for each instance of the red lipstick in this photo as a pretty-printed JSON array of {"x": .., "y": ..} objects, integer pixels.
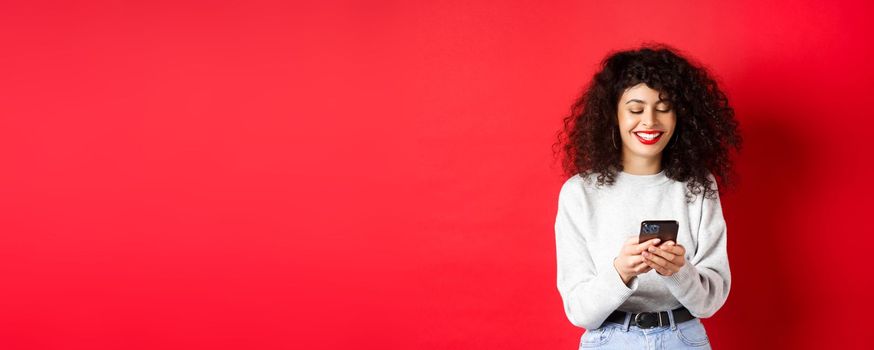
[{"x": 649, "y": 132}]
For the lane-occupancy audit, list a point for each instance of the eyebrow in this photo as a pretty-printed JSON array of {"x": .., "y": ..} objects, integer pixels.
[{"x": 641, "y": 101}]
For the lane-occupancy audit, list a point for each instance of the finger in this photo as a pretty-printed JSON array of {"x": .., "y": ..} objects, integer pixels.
[
  {"x": 641, "y": 266},
  {"x": 673, "y": 266},
  {"x": 661, "y": 270},
  {"x": 637, "y": 263},
  {"x": 673, "y": 247},
  {"x": 633, "y": 262},
  {"x": 667, "y": 255},
  {"x": 645, "y": 267},
  {"x": 628, "y": 246},
  {"x": 631, "y": 247},
  {"x": 656, "y": 259},
  {"x": 656, "y": 239},
  {"x": 643, "y": 246},
  {"x": 632, "y": 241},
  {"x": 639, "y": 260}
]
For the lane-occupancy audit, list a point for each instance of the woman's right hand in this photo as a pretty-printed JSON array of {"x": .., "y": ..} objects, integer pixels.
[{"x": 630, "y": 263}]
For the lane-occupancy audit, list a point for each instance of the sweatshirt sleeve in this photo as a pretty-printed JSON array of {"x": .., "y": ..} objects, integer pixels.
[
  {"x": 589, "y": 292},
  {"x": 703, "y": 282}
]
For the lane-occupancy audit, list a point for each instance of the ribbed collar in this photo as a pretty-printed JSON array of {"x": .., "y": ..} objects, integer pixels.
[{"x": 641, "y": 180}]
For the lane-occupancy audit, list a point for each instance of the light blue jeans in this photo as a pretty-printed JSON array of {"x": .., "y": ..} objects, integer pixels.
[{"x": 685, "y": 335}]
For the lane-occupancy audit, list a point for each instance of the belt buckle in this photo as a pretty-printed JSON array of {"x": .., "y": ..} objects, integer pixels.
[{"x": 646, "y": 320}]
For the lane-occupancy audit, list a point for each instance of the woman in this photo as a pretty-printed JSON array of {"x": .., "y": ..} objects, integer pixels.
[{"x": 647, "y": 140}]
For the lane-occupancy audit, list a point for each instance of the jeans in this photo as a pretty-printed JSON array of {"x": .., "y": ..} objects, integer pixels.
[{"x": 684, "y": 335}]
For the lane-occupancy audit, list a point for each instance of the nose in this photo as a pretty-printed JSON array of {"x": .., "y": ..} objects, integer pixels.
[{"x": 648, "y": 118}]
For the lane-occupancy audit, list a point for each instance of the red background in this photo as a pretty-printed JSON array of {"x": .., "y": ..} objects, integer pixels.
[{"x": 185, "y": 175}]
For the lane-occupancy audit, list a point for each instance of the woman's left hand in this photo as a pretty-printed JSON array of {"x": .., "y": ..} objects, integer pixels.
[{"x": 666, "y": 259}]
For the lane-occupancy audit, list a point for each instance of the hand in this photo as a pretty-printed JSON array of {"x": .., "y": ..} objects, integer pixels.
[
  {"x": 666, "y": 259},
  {"x": 630, "y": 263}
]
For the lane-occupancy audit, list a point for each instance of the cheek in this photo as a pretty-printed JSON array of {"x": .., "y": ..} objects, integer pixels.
[
  {"x": 625, "y": 123},
  {"x": 670, "y": 123}
]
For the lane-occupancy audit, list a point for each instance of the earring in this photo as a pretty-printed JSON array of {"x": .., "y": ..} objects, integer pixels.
[{"x": 613, "y": 137}]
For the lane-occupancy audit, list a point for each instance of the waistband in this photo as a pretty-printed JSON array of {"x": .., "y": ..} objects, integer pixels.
[{"x": 651, "y": 319}]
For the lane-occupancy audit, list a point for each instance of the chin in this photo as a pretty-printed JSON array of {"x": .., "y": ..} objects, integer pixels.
[{"x": 649, "y": 152}]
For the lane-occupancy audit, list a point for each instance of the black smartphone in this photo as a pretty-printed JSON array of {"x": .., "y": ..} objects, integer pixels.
[{"x": 666, "y": 230}]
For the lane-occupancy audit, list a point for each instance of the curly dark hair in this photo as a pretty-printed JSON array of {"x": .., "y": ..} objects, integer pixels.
[{"x": 705, "y": 131}]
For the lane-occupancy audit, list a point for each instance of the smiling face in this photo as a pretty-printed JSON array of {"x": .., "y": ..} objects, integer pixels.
[{"x": 646, "y": 124}]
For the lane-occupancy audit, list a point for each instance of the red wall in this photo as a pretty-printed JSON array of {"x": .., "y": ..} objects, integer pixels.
[{"x": 230, "y": 175}]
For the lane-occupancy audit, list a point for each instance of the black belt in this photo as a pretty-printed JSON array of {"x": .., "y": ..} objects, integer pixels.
[{"x": 651, "y": 319}]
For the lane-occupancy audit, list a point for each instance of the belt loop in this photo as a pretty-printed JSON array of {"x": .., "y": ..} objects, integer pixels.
[
  {"x": 671, "y": 317},
  {"x": 627, "y": 322}
]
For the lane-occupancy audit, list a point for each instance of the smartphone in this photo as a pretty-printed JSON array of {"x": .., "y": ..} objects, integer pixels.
[{"x": 666, "y": 230}]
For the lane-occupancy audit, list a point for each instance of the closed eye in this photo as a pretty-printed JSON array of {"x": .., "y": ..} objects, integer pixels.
[{"x": 658, "y": 110}]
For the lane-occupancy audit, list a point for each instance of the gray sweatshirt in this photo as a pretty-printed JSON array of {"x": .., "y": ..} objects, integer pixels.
[{"x": 593, "y": 222}]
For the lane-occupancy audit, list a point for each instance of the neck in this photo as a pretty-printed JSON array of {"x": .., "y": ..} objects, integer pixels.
[{"x": 641, "y": 166}]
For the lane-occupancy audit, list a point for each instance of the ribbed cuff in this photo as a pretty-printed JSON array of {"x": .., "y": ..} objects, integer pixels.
[
  {"x": 682, "y": 279},
  {"x": 616, "y": 285}
]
